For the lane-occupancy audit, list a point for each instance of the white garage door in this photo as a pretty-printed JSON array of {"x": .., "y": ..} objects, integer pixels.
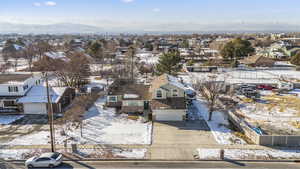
[
  {"x": 35, "y": 108},
  {"x": 169, "y": 115}
]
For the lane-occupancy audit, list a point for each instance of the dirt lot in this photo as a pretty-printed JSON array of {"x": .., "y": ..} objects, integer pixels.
[{"x": 274, "y": 114}]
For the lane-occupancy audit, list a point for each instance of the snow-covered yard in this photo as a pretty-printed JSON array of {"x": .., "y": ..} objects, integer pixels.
[
  {"x": 101, "y": 126},
  {"x": 219, "y": 125},
  {"x": 21, "y": 65},
  {"x": 232, "y": 76},
  {"x": 8, "y": 119},
  {"x": 97, "y": 81},
  {"x": 240, "y": 154}
]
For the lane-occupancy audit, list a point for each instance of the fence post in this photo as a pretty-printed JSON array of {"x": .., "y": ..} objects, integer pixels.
[
  {"x": 65, "y": 145},
  {"x": 222, "y": 154},
  {"x": 74, "y": 148}
]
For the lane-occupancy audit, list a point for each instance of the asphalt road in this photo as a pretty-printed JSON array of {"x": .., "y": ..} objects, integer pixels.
[{"x": 163, "y": 165}]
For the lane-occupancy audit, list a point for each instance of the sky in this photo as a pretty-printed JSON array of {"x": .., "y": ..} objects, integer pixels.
[{"x": 151, "y": 14}]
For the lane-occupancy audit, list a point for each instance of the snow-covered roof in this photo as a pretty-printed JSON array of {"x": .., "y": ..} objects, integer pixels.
[
  {"x": 57, "y": 55},
  {"x": 174, "y": 81},
  {"x": 18, "y": 47},
  {"x": 283, "y": 63},
  {"x": 38, "y": 94},
  {"x": 130, "y": 96}
]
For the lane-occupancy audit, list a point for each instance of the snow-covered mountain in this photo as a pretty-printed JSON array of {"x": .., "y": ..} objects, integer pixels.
[
  {"x": 50, "y": 29},
  {"x": 149, "y": 28}
]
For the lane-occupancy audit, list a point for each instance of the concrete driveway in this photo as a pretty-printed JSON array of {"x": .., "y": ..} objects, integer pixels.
[{"x": 179, "y": 140}]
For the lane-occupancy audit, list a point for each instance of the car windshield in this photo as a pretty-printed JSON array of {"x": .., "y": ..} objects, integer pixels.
[{"x": 55, "y": 155}]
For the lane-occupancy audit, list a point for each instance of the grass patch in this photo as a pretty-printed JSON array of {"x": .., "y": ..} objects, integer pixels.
[
  {"x": 283, "y": 102},
  {"x": 98, "y": 78},
  {"x": 244, "y": 137},
  {"x": 296, "y": 124}
]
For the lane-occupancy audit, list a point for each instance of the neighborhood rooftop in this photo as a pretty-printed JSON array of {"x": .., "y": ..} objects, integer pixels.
[
  {"x": 7, "y": 78},
  {"x": 130, "y": 90}
]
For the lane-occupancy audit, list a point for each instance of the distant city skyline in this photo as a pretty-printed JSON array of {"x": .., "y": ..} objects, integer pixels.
[{"x": 151, "y": 15}]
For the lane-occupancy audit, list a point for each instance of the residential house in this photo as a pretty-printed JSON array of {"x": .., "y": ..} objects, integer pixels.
[
  {"x": 12, "y": 48},
  {"x": 36, "y": 100},
  {"x": 164, "y": 99},
  {"x": 291, "y": 50},
  {"x": 14, "y": 86},
  {"x": 282, "y": 50},
  {"x": 168, "y": 99},
  {"x": 57, "y": 55},
  {"x": 128, "y": 97},
  {"x": 76, "y": 43}
]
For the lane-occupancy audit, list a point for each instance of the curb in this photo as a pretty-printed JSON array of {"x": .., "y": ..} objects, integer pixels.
[{"x": 162, "y": 160}]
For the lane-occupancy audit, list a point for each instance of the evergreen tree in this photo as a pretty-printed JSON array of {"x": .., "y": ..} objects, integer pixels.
[
  {"x": 95, "y": 50},
  {"x": 296, "y": 59},
  {"x": 169, "y": 63},
  {"x": 238, "y": 48},
  {"x": 148, "y": 46}
]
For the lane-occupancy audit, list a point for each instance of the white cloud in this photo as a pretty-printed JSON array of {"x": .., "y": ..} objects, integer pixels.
[
  {"x": 127, "y": 1},
  {"x": 37, "y": 4},
  {"x": 156, "y": 10},
  {"x": 50, "y": 3}
]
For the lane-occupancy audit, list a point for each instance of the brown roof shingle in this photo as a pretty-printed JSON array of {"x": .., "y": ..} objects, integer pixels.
[
  {"x": 120, "y": 87},
  {"x": 4, "y": 78},
  {"x": 158, "y": 82},
  {"x": 169, "y": 103}
]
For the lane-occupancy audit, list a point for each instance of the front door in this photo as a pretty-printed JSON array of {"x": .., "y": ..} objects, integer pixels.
[
  {"x": 1, "y": 104},
  {"x": 146, "y": 105}
]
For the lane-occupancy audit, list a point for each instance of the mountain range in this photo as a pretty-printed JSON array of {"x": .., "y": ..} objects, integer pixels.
[
  {"x": 70, "y": 28},
  {"x": 60, "y": 28}
]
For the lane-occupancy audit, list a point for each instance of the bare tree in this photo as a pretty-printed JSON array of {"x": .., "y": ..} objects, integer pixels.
[
  {"x": 211, "y": 90},
  {"x": 75, "y": 72},
  {"x": 131, "y": 54},
  {"x": 41, "y": 47},
  {"x": 29, "y": 54},
  {"x": 13, "y": 54}
]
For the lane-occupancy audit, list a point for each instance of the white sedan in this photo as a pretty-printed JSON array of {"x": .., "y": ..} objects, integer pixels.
[{"x": 45, "y": 160}]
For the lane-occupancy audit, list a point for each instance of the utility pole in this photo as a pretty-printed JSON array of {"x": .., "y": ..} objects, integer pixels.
[
  {"x": 50, "y": 116},
  {"x": 132, "y": 55}
]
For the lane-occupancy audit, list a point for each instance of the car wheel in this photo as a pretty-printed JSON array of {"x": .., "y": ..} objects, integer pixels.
[
  {"x": 51, "y": 166},
  {"x": 30, "y": 166}
]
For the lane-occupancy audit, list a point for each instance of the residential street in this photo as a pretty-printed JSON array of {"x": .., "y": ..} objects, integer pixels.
[{"x": 160, "y": 165}]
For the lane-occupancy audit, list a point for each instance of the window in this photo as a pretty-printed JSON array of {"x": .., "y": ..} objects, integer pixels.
[
  {"x": 43, "y": 159},
  {"x": 13, "y": 89},
  {"x": 9, "y": 103},
  {"x": 112, "y": 99},
  {"x": 175, "y": 93},
  {"x": 25, "y": 87},
  {"x": 158, "y": 94}
]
